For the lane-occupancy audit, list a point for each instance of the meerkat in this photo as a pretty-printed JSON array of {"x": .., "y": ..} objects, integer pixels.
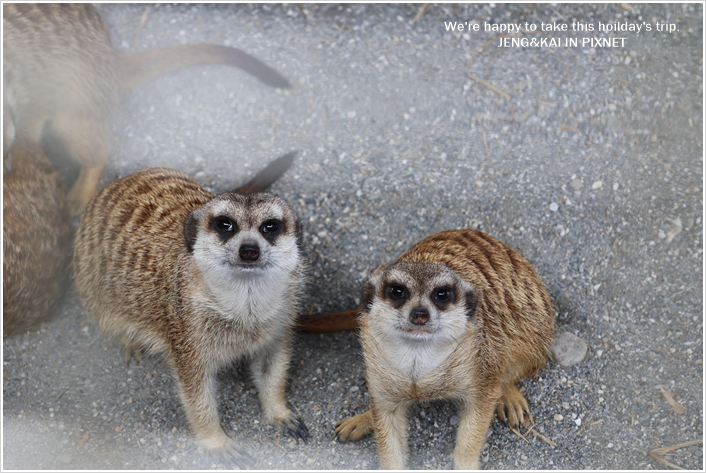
[
  {"x": 36, "y": 239},
  {"x": 37, "y": 235},
  {"x": 166, "y": 267},
  {"x": 459, "y": 316},
  {"x": 62, "y": 78}
]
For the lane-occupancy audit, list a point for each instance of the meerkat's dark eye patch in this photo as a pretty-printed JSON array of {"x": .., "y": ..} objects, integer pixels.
[
  {"x": 271, "y": 229},
  {"x": 224, "y": 227},
  {"x": 443, "y": 296},
  {"x": 396, "y": 293}
]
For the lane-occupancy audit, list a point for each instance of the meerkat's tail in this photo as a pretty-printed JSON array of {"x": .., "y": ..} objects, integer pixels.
[
  {"x": 333, "y": 322},
  {"x": 142, "y": 66},
  {"x": 268, "y": 176}
]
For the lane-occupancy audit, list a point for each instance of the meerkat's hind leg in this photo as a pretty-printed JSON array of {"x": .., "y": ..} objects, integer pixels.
[
  {"x": 131, "y": 350},
  {"x": 513, "y": 407},
  {"x": 355, "y": 427},
  {"x": 87, "y": 141}
]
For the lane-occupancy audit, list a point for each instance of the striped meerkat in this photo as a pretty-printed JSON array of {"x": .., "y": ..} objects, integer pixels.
[
  {"x": 166, "y": 267},
  {"x": 62, "y": 77},
  {"x": 459, "y": 316},
  {"x": 36, "y": 239}
]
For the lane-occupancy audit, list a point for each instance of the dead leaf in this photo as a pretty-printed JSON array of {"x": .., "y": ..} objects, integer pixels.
[{"x": 676, "y": 407}]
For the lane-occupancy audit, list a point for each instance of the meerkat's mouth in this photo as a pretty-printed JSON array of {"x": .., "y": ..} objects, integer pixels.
[{"x": 417, "y": 333}]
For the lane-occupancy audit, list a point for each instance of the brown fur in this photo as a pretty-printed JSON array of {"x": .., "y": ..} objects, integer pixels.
[
  {"x": 507, "y": 337},
  {"x": 36, "y": 239},
  {"x": 60, "y": 69},
  {"x": 139, "y": 262}
]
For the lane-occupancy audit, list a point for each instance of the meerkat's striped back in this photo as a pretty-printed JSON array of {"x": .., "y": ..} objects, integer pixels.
[{"x": 514, "y": 305}]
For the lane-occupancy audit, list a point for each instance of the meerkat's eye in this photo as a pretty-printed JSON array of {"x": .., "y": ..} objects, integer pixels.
[
  {"x": 224, "y": 225},
  {"x": 443, "y": 296},
  {"x": 395, "y": 291},
  {"x": 270, "y": 227}
]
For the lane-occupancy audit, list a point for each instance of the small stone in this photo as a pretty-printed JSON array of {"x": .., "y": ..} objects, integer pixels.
[
  {"x": 454, "y": 420},
  {"x": 568, "y": 349},
  {"x": 576, "y": 184},
  {"x": 553, "y": 206},
  {"x": 558, "y": 417},
  {"x": 597, "y": 185},
  {"x": 354, "y": 389}
]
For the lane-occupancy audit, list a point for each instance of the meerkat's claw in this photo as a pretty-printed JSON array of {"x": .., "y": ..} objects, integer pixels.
[
  {"x": 296, "y": 428},
  {"x": 354, "y": 428},
  {"x": 513, "y": 408}
]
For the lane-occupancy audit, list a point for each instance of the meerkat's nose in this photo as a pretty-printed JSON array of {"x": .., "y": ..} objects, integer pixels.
[
  {"x": 419, "y": 316},
  {"x": 249, "y": 252}
]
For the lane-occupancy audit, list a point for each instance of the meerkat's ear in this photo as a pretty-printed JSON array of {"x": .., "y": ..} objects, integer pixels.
[
  {"x": 298, "y": 230},
  {"x": 369, "y": 293},
  {"x": 191, "y": 229},
  {"x": 471, "y": 302}
]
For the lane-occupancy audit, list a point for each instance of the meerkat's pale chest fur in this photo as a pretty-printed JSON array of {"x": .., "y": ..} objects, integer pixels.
[
  {"x": 459, "y": 316},
  {"x": 167, "y": 267}
]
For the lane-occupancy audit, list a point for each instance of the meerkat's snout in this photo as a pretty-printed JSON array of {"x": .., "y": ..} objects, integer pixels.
[
  {"x": 419, "y": 316},
  {"x": 249, "y": 252}
]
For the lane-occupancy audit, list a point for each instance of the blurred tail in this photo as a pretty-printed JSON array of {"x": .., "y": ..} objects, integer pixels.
[
  {"x": 142, "y": 66},
  {"x": 269, "y": 175},
  {"x": 333, "y": 322}
]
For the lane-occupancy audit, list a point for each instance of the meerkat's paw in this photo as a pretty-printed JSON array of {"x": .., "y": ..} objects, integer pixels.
[
  {"x": 356, "y": 427},
  {"x": 513, "y": 408},
  {"x": 293, "y": 426},
  {"x": 228, "y": 451}
]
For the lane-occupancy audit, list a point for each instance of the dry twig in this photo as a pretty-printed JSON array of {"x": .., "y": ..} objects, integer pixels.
[
  {"x": 420, "y": 12},
  {"x": 280, "y": 446},
  {"x": 676, "y": 407},
  {"x": 537, "y": 434},
  {"x": 657, "y": 453},
  {"x": 489, "y": 85}
]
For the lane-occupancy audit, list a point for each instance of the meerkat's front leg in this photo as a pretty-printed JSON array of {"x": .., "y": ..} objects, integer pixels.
[
  {"x": 390, "y": 421},
  {"x": 197, "y": 389},
  {"x": 269, "y": 372},
  {"x": 476, "y": 416}
]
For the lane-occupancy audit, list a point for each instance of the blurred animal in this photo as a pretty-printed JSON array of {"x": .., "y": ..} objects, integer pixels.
[
  {"x": 167, "y": 267},
  {"x": 62, "y": 78},
  {"x": 36, "y": 239},
  {"x": 459, "y": 316}
]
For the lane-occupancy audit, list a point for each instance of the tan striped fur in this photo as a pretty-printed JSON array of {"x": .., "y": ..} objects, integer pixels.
[
  {"x": 36, "y": 240},
  {"x": 495, "y": 329},
  {"x": 157, "y": 271}
]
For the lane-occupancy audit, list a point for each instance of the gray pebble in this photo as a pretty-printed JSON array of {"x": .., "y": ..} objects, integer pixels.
[{"x": 568, "y": 349}]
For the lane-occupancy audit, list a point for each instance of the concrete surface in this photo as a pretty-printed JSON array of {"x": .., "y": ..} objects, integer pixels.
[{"x": 592, "y": 168}]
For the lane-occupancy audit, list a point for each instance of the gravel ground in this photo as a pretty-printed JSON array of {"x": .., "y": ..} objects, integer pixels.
[{"x": 592, "y": 168}]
